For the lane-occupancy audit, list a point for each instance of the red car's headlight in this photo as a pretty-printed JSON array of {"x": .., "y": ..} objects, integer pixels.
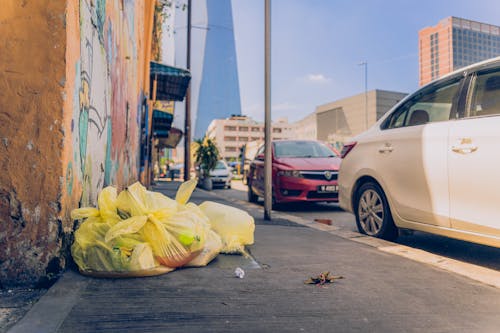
[{"x": 290, "y": 173}]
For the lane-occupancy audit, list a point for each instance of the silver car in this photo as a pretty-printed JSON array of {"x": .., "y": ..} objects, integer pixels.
[{"x": 431, "y": 163}]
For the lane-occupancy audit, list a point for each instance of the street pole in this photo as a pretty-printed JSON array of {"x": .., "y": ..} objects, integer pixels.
[
  {"x": 187, "y": 119},
  {"x": 364, "y": 63},
  {"x": 267, "y": 125}
]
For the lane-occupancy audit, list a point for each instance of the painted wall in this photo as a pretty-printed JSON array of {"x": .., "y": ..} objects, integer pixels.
[{"x": 72, "y": 75}]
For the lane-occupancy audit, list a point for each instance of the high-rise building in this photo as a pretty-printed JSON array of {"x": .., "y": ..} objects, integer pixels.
[
  {"x": 219, "y": 94},
  {"x": 454, "y": 43}
]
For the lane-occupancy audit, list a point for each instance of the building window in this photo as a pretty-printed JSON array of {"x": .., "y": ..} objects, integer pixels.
[
  {"x": 276, "y": 130},
  {"x": 230, "y": 149},
  {"x": 229, "y": 128},
  {"x": 243, "y": 129},
  {"x": 243, "y": 138},
  {"x": 229, "y": 138},
  {"x": 256, "y": 129}
]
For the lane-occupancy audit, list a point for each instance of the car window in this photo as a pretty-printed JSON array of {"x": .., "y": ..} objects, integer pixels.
[
  {"x": 301, "y": 149},
  {"x": 220, "y": 165},
  {"x": 485, "y": 95},
  {"x": 431, "y": 105}
]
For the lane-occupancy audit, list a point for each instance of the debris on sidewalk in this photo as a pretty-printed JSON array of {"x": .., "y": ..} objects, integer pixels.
[
  {"x": 324, "y": 221},
  {"x": 239, "y": 273},
  {"x": 322, "y": 279},
  {"x": 142, "y": 233}
]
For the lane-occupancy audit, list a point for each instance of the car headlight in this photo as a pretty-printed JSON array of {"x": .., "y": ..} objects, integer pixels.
[{"x": 290, "y": 173}]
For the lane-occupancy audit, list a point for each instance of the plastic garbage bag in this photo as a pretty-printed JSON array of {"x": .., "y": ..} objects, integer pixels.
[
  {"x": 213, "y": 246},
  {"x": 235, "y": 226},
  {"x": 141, "y": 233},
  {"x": 185, "y": 190}
]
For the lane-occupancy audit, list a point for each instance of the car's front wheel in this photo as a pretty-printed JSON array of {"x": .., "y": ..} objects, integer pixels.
[{"x": 373, "y": 215}]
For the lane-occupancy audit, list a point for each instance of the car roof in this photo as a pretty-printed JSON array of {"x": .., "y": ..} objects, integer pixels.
[{"x": 482, "y": 65}]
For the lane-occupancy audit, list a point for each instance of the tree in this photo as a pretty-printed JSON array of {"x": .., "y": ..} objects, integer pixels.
[{"x": 206, "y": 155}]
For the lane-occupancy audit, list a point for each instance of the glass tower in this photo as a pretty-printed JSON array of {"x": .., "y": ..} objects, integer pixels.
[{"x": 219, "y": 93}]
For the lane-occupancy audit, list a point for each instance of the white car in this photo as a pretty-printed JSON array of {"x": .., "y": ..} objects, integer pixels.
[
  {"x": 432, "y": 162},
  {"x": 221, "y": 175}
]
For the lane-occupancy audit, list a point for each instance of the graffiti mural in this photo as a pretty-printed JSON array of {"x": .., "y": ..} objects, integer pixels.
[
  {"x": 94, "y": 112},
  {"x": 107, "y": 97}
]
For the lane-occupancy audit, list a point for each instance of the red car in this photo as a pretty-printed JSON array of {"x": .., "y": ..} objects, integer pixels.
[{"x": 303, "y": 170}]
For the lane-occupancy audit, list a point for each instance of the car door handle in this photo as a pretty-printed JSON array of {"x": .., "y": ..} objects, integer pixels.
[
  {"x": 464, "y": 149},
  {"x": 464, "y": 146},
  {"x": 387, "y": 148}
]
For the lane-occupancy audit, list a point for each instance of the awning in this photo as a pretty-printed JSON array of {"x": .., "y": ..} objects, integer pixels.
[
  {"x": 172, "y": 140},
  {"x": 171, "y": 82},
  {"x": 163, "y": 115}
]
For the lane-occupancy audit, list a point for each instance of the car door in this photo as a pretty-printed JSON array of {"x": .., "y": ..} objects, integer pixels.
[
  {"x": 474, "y": 159},
  {"x": 257, "y": 172},
  {"x": 411, "y": 154}
]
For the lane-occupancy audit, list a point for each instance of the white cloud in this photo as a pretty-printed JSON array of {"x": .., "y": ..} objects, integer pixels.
[{"x": 317, "y": 78}]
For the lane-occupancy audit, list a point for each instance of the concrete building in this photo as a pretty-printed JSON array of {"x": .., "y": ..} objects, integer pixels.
[
  {"x": 306, "y": 128},
  {"x": 231, "y": 133},
  {"x": 75, "y": 84},
  {"x": 454, "y": 43},
  {"x": 338, "y": 121}
]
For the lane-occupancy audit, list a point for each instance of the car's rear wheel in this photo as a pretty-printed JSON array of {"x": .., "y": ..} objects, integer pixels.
[
  {"x": 252, "y": 197},
  {"x": 373, "y": 215}
]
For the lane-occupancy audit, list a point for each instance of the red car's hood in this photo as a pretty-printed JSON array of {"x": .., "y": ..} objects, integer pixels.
[{"x": 313, "y": 163}]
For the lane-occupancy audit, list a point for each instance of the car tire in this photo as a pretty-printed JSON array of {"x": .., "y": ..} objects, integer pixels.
[
  {"x": 252, "y": 197},
  {"x": 373, "y": 214}
]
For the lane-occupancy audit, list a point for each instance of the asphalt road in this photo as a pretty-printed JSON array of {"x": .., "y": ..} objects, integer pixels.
[{"x": 485, "y": 256}]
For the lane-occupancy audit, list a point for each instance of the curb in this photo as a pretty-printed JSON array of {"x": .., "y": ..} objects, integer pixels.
[{"x": 477, "y": 273}]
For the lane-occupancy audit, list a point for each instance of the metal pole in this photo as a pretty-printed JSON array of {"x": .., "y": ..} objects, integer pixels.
[
  {"x": 187, "y": 119},
  {"x": 366, "y": 95},
  {"x": 364, "y": 63},
  {"x": 267, "y": 124}
]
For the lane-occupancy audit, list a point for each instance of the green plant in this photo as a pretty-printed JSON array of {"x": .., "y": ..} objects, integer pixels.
[{"x": 206, "y": 154}]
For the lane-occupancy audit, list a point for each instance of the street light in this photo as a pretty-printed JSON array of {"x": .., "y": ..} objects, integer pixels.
[{"x": 364, "y": 63}]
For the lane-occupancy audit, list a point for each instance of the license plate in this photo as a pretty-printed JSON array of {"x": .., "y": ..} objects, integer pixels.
[{"x": 328, "y": 188}]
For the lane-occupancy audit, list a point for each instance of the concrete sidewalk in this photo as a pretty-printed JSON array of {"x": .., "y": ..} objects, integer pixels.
[{"x": 380, "y": 292}]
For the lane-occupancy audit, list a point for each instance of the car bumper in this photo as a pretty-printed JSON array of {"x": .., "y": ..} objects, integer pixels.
[
  {"x": 221, "y": 181},
  {"x": 291, "y": 189}
]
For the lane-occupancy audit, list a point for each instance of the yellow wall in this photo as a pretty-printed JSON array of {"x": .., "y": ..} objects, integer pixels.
[{"x": 73, "y": 77}]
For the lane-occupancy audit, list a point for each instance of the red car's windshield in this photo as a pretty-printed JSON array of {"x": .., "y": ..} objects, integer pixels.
[{"x": 301, "y": 149}]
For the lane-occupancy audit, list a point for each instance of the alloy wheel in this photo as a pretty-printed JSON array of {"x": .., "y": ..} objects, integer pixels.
[{"x": 371, "y": 212}]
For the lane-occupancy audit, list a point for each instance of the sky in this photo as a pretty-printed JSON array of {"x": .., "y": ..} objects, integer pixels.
[{"x": 317, "y": 47}]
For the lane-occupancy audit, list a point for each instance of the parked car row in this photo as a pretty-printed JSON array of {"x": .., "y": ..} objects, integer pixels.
[{"x": 430, "y": 164}]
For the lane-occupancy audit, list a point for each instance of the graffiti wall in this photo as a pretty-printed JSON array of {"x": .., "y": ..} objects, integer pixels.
[
  {"x": 107, "y": 99},
  {"x": 72, "y": 76}
]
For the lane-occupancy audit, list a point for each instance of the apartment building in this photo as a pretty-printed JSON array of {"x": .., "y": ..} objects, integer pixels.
[{"x": 235, "y": 131}]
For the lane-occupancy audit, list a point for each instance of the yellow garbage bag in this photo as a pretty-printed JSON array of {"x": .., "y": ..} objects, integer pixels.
[
  {"x": 125, "y": 253},
  {"x": 185, "y": 190},
  {"x": 166, "y": 248},
  {"x": 235, "y": 226},
  {"x": 213, "y": 246}
]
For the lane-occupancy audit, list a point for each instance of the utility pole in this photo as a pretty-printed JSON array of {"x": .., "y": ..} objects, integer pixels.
[
  {"x": 267, "y": 125},
  {"x": 187, "y": 119},
  {"x": 364, "y": 63}
]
